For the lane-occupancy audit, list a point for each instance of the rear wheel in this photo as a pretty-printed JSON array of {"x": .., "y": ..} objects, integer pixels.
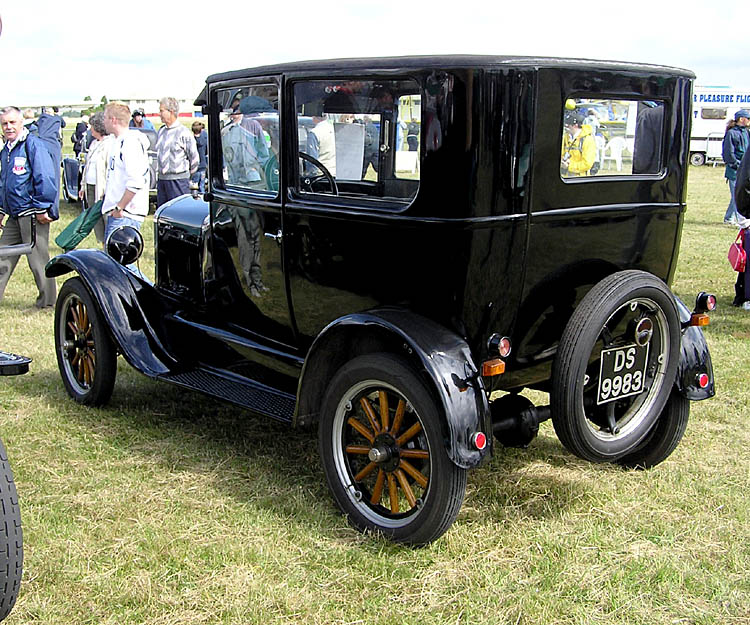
[
  {"x": 697, "y": 158},
  {"x": 615, "y": 366},
  {"x": 383, "y": 452},
  {"x": 86, "y": 355}
]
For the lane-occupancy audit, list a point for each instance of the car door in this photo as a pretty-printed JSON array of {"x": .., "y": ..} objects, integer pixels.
[
  {"x": 247, "y": 246},
  {"x": 348, "y": 244}
]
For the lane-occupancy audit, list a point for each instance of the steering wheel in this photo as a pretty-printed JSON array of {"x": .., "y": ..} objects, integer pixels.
[{"x": 309, "y": 181}]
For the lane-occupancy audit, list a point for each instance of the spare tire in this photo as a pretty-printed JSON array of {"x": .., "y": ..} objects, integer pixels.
[{"x": 615, "y": 366}]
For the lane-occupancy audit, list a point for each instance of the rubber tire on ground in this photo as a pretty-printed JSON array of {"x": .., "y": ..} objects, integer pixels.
[
  {"x": 664, "y": 437},
  {"x": 439, "y": 502},
  {"x": 11, "y": 538},
  {"x": 99, "y": 389},
  {"x": 697, "y": 158},
  {"x": 573, "y": 421}
]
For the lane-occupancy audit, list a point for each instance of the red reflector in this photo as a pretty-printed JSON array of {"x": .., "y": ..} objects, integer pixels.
[
  {"x": 479, "y": 440},
  {"x": 504, "y": 347},
  {"x": 699, "y": 319},
  {"x": 492, "y": 367},
  {"x": 703, "y": 380}
]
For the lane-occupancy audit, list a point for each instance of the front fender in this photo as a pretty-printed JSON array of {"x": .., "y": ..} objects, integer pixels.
[
  {"x": 443, "y": 356},
  {"x": 695, "y": 359},
  {"x": 126, "y": 302}
]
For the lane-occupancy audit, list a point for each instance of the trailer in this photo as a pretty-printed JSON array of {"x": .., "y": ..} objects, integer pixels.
[{"x": 713, "y": 107}]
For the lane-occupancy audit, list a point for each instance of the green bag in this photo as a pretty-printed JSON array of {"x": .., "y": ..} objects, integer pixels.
[{"x": 77, "y": 230}]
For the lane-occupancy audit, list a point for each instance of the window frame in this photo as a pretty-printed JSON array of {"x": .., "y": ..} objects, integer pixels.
[
  {"x": 666, "y": 104},
  {"x": 215, "y": 128}
]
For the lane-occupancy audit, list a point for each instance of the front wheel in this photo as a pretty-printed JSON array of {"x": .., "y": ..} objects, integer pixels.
[
  {"x": 86, "y": 355},
  {"x": 383, "y": 452},
  {"x": 615, "y": 366}
]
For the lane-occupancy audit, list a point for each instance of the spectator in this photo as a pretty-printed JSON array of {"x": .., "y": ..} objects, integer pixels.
[
  {"x": 94, "y": 177},
  {"x": 27, "y": 191},
  {"x": 126, "y": 190},
  {"x": 56, "y": 113},
  {"x": 579, "y": 147},
  {"x": 177, "y": 154},
  {"x": 742, "y": 215},
  {"x": 321, "y": 143},
  {"x": 201, "y": 143},
  {"x": 79, "y": 134},
  {"x": 139, "y": 120},
  {"x": 733, "y": 148},
  {"x": 49, "y": 128},
  {"x": 412, "y": 135}
]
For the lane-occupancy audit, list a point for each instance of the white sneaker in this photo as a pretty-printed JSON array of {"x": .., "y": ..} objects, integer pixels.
[{"x": 746, "y": 306}]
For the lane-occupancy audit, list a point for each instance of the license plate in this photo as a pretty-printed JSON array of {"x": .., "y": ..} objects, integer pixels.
[{"x": 622, "y": 372}]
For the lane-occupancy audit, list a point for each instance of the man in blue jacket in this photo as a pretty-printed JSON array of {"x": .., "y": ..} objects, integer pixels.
[{"x": 27, "y": 192}]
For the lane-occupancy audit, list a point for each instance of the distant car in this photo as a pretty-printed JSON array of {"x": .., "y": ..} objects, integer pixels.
[
  {"x": 401, "y": 299},
  {"x": 152, "y": 157}
]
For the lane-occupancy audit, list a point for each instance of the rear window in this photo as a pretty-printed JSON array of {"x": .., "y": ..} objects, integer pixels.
[{"x": 611, "y": 137}]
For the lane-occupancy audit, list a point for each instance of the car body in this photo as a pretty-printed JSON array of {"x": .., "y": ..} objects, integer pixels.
[{"x": 393, "y": 249}]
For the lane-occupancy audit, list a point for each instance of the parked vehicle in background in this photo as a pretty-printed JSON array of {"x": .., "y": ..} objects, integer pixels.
[
  {"x": 713, "y": 108},
  {"x": 73, "y": 167},
  {"x": 401, "y": 305}
]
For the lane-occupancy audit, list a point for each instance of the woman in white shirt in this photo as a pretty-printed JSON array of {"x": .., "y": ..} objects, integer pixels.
[{"x": 94, "y": 178}]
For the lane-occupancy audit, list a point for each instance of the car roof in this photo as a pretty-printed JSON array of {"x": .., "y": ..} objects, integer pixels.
[{"x": 362, "y": 64}]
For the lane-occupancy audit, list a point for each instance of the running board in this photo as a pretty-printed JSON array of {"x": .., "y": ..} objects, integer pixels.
[{"x": 241, "y": 391}]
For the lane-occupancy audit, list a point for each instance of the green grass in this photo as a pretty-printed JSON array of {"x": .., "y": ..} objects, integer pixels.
[{"x": 165, "y": 507}]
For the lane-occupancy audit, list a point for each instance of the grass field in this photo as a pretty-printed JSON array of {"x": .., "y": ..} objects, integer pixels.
[{"x": 166, "y": 508}]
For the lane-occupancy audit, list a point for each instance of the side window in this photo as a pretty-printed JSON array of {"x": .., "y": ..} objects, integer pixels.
[
  {"x": 408, "y": 136},
  {"x": 249, "y": 122},
  {"x": 611, "y": 137},
  {"x": 358, "y": 137}
]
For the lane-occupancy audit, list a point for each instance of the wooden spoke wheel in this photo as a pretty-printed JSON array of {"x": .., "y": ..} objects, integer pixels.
[
  {"x": 383, "y": 454},
  {"x": 86, "y": 355}
]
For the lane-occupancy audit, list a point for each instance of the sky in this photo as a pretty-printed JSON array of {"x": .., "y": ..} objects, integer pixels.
[{"x": 53, "y": 53}]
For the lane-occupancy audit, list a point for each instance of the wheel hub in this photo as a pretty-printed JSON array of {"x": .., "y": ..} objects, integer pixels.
[{"x": 384, "y": 452}]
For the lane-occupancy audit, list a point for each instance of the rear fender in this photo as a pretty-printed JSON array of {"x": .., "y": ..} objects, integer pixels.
[
  {"x": 442, "y": 357},
  {"x": 127, "y": 303},
  {"x": 695, "y": 359}
]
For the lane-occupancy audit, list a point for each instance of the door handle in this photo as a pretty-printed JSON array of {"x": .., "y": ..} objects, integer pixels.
[{"x": 276, "y": 237}]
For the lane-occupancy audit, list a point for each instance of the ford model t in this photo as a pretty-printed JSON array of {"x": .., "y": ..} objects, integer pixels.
[{"x": 393, "y": 249}]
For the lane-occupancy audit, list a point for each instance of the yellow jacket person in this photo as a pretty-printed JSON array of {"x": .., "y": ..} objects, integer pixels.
[{"x": 579, "y": 146}]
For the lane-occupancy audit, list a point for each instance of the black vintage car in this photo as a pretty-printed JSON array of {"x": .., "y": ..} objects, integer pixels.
[{"x": 393, "y": 249}]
